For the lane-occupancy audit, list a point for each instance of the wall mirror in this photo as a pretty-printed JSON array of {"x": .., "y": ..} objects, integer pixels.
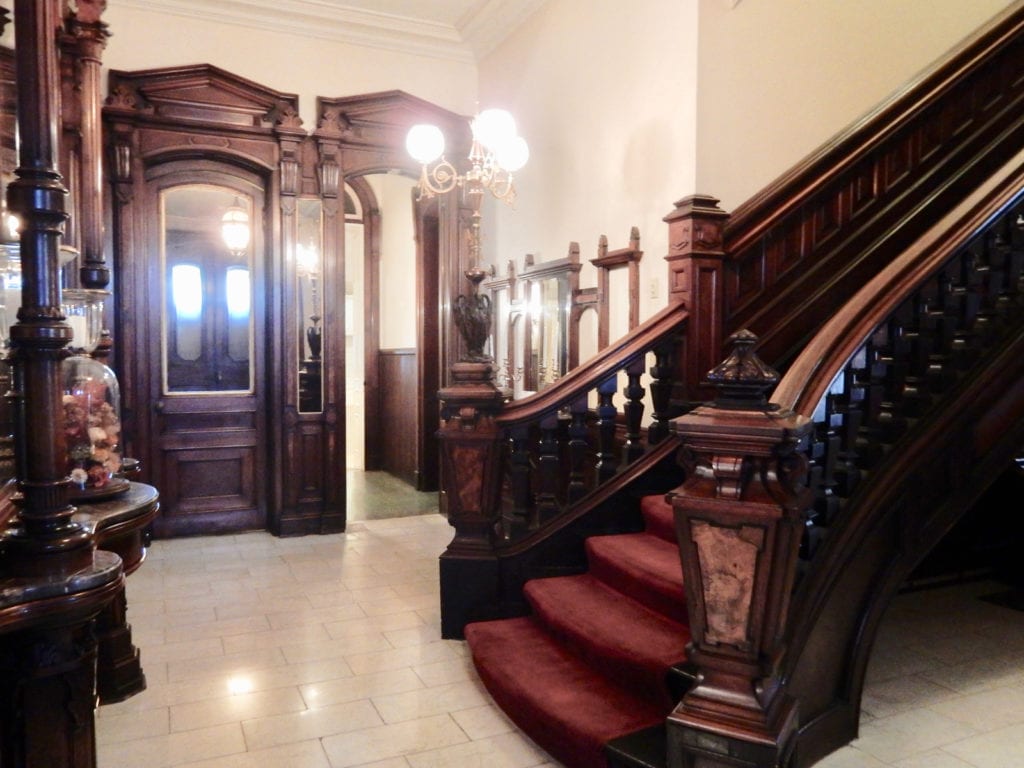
[
  {"x": 207, "y": 289},
  {"x": 549, "y": 325},
  {"x": 308, "y": 272}
]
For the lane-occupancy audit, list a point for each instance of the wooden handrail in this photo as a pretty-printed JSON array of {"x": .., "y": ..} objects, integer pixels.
[
  {"x": 605, "y": 363},
  {"x": 818, "y": 233},
  {"x": 808, "y": 379}
]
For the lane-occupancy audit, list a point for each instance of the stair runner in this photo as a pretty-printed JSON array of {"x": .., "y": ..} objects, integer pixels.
[{"x": 591, "y": 662}]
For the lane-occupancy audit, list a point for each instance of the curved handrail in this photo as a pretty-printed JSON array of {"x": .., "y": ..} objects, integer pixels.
[
  {"x": 763, "y": 211},
  {"x": 821, "y": 231},
  {"x": 810, "y": 375}
]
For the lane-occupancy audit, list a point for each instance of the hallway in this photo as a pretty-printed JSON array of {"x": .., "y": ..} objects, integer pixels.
[{"x": 324, "y": 652}]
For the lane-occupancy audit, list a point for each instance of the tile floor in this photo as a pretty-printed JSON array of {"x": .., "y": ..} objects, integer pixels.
[{"x": 324, "y": 652}]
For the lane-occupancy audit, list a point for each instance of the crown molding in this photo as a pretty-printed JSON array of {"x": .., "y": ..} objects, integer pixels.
[{"x": 479, "y": 31}]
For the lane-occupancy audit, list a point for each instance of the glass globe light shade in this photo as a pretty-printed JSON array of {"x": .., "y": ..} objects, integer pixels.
[
  {"x": 425, "y": 143},
  {"x": 234, "y": 228},
  {"x": 307, "y": 259},
  {"x": 513, "y": 154},
  {"x": 494, "y": 127}
]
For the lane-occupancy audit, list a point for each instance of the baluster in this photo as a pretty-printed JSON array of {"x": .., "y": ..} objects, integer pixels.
[
  {"x": 607, "y": 456},
  {"x": 661, "y": 392},
  {"x": 519, "y": 474},
  {"x": 546, "y": 500},
  {"x": 579, "y": 448},
  {"x": 850, "y": 406},
  {"x": 633, "y": 449}
]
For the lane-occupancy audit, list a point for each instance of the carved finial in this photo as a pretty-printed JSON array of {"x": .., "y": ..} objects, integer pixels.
[{"x": 743, "y": 379}]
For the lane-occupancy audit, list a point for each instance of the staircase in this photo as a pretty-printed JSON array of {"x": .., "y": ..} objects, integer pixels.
[
  {"x": 601, "y": 654},
  {"x": 578, "y": 626}
]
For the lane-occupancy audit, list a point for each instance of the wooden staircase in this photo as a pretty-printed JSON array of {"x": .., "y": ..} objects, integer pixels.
[
  {"x": 565, "y": 575},
  {"x": 601, "y": 654}
]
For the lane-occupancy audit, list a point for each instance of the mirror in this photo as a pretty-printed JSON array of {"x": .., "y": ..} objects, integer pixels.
[
  {"x": 308, "y": 273},
  {"x": 207, "y": 288},
  {"x": 549, "y": 323}
]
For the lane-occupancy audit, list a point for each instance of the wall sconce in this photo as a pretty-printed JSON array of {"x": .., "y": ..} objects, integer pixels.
[
  {"x": 497, "y": 152},
  {"x": 234, "y": 228}
]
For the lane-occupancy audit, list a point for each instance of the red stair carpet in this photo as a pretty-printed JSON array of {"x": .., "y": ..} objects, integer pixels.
[{"x": 591, "y": 662}]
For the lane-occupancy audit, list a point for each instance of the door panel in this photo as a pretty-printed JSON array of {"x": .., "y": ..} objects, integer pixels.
[{"x": 207, "y": 418}]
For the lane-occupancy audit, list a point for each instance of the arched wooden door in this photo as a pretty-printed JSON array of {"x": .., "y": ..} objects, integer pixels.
[{"x": 206, "y": 397}]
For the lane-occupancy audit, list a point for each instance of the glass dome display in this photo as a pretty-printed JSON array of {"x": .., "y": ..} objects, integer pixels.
[
  {"x": 92, "y": 426},
  {"x": 83, "y": 310}
]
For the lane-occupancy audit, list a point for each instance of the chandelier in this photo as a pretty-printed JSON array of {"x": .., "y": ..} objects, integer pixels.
[
  {"x": 235, "y": 228},
  {"x": 497, "y": 152}
]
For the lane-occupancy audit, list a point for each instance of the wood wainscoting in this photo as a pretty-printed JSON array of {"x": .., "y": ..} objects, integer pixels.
[{"x": 397, "y": 427}]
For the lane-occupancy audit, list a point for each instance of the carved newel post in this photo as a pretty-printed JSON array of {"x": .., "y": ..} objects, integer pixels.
[
  {"x": 471, "y": 454},
  {"x": 738, "y": 520},
  {"x": 696, "y": 282}
]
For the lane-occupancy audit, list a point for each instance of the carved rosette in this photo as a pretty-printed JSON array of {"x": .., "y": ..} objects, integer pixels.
[{"x": 738, "y": 520}]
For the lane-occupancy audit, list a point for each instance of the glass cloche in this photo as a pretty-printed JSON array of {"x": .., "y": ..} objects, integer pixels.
[{"x": 92, "y": 427}]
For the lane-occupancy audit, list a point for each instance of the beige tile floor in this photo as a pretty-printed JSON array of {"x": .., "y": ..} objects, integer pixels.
[{"x": 324, "y": 652}]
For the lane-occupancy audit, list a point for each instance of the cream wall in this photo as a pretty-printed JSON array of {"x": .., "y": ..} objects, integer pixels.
[
  {"x": 605, "y": 94},
  {"x": 397, "y": 261},
  {"x": 632, "y": 106},
  {"x": 779, "y": 78}
]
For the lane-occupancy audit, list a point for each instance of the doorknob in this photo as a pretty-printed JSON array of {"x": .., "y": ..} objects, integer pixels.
[{"x": 159, "y": 407}]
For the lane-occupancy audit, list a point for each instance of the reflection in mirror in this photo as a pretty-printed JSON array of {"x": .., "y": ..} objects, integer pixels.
[
  {"x": 308, "y": 271},
  {"x": 501, "y": 353},
  {"x": 549, "y": 323},
  {"x": 355, "y": 394},
  {"x": 207, "y": 287}
]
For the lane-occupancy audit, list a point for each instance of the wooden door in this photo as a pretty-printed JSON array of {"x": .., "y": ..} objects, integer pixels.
[{"x": 207, "y": 422}]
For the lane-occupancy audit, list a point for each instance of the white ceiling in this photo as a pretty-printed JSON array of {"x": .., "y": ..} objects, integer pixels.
[{"x": 458, "y": 29}]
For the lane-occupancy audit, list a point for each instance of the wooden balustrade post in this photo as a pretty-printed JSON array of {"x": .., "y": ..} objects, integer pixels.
[
  {"x": 739, "y": 521},
  {"x": 695, "y": 259},
  {"x": 472, "y": 449}
]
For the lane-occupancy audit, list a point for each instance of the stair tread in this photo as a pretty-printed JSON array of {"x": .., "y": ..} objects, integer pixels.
[
  {"x": 644, "y": 566},
  {"x": 659, "y": 517},
  {"x": 568, "y": 707},
  {"x": 613, "y": 632}
]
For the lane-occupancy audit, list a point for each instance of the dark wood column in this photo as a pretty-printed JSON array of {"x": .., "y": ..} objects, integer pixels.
[
  {"x": 738, "y": 521},
  {"x": 87, "y": 37},
  {"x": 52, "y": 581}
]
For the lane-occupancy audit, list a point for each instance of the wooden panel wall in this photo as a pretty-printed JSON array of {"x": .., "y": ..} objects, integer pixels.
[{"x": 397, "y": 425}]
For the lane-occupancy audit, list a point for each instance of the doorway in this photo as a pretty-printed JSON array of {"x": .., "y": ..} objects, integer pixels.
[
  {"x": 206, "y": 400},
  {"x": 391, "y": 300}
]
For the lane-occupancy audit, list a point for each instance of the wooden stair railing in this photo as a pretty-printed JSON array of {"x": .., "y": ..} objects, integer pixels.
[
  {"x": 789, "y": 555},
  {"x": 809, "y": 241},
  {"x": 779, "y": 266},
  {"x": 519, "y": 472}
]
